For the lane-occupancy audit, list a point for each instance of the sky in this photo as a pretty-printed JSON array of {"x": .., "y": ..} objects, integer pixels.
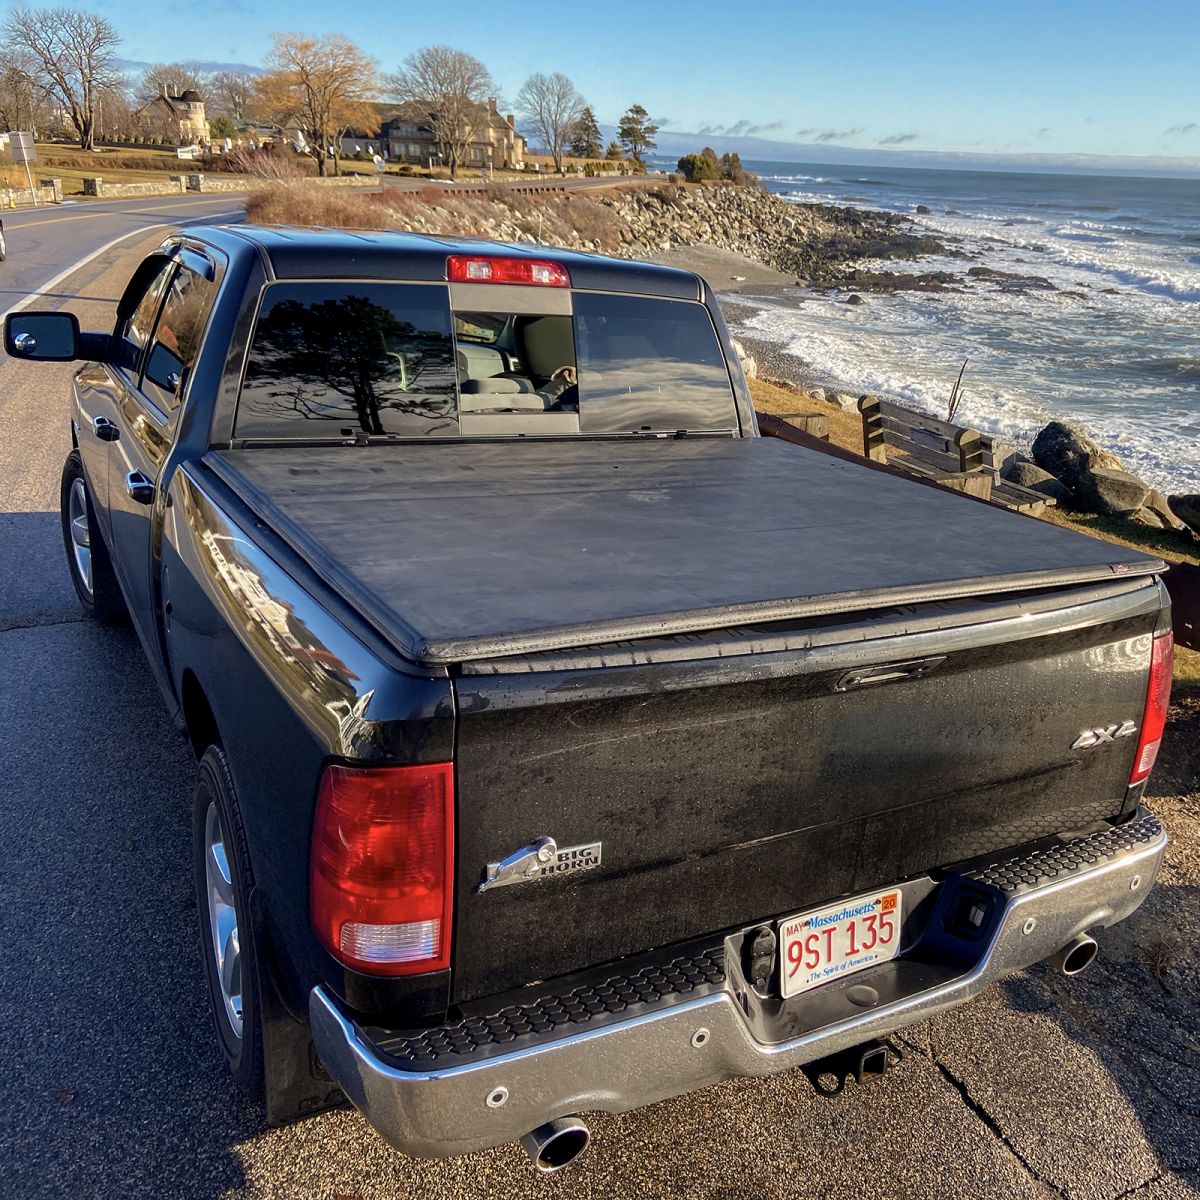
[{"x": 1053, "y": 82}]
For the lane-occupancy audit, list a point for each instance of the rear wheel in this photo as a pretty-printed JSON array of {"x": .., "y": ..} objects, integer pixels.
[
  {"x": 223, "y": 879},
  {"x": 87, "y": 556},
  {"x": 3, "y": 245}
]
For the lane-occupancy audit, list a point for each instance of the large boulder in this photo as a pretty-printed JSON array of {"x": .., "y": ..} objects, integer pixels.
[
  {"x": 1030, "y": 475},
  {"x": 1110, "y": 492},
  {"x": 1187, "y": 509},
  {"x": 1157, "y": 510},
  {"x": 1067, "y": 453}
]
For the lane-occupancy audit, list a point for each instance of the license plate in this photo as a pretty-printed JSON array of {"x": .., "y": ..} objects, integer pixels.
[{"x": 831, "y": 943}]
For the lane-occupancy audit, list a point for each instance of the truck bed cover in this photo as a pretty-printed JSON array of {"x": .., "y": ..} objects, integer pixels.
[{"x": 463, "y": 551}]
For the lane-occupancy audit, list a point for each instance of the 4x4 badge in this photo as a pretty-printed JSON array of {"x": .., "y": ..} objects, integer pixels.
[
  {"x": 1109, "y": 733},
  {"x": 541, "y": 859}
]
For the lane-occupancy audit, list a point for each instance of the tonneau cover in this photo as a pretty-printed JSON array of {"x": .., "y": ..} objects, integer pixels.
[{"x": 461, "y": 551}]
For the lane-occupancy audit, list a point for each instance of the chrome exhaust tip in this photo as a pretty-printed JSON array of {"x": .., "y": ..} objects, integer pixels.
[
  {"x": 1076, "y": 956},
  {"x": 556, "y": 1145}
]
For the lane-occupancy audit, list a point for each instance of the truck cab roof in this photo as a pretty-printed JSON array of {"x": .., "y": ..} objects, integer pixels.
[{"x": 289, "y": 252}]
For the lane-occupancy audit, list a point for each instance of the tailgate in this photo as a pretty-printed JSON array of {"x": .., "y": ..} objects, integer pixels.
[{"x": 751, "y": 773}]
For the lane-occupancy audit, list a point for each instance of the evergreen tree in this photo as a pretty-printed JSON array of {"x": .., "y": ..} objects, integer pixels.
[
  {"x": 585, "y": 139},
  {"x": 636, "y": 133}
]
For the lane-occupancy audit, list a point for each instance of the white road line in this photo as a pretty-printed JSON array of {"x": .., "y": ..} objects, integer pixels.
[{"x": 87, "y": 258}]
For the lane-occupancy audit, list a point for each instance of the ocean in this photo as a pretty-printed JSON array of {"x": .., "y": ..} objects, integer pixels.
[{"x": 1114, "y": 348}]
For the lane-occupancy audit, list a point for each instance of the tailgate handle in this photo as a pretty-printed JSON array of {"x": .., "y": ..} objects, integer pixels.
[{"x": 887, "y": 673}]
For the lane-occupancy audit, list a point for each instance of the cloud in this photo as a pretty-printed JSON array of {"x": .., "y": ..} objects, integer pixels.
[
  {"x": 898, "y": 139},
  {"x": 742, "y": 128},
  {"x": 1183, "y": 130},
  {"x": 1045, "y": 131},
  {"x": 837, "y": 135},
  {"x": 805, "y": 132}
]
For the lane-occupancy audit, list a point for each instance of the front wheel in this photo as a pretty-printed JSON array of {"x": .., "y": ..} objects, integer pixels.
[
  {"x": 223, "y": 879},
  {"x": 87, "y": 556}
]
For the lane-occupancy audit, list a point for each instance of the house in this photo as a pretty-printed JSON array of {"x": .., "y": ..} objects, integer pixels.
[
  {"x": 175, "y": 117},
  {"x": 406, "y": 134}
]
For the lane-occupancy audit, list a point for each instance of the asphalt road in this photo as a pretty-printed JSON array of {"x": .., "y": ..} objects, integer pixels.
[{"x": 111, "y": 1086}]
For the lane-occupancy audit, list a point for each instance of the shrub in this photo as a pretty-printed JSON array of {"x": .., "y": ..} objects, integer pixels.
[{"x": 698, "y": 168}]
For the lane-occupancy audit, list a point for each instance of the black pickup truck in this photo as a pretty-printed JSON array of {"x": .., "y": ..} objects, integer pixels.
[{"x": 563, "y": 744}]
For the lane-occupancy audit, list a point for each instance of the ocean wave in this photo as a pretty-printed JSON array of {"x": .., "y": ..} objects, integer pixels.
[
  {"x": 1181, "y": 368},
  {"x": 910, "y": 348}
]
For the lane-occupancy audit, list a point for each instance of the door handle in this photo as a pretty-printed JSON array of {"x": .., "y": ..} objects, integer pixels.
[
  {"x": 139, "y": 488},
  {"x": 105, "y": 430}
]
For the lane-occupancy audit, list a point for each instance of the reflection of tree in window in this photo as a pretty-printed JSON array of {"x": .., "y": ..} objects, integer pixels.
[
  {"x": 181, "y": 324},
  {"x": 315, "y": 360}
]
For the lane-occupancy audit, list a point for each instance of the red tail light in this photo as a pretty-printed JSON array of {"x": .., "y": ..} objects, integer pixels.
[
  {"x": 1158, "y": 697},
  {"x": 382, "y": 867},
  {"x": 463, "y": 268}
]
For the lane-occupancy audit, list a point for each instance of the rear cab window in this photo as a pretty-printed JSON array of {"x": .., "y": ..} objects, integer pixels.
[{"x": 333, "y": 359}]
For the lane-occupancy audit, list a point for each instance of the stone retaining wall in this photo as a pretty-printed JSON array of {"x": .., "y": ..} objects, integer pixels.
[
  {"x": 173, "y": 185},
  {"x": 48, "y": 191}
]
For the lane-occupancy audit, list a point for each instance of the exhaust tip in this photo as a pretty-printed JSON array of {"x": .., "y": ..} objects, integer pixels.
[
  {"x": 557, "y": 1144},
  {"x": 1077, "y": 955}
]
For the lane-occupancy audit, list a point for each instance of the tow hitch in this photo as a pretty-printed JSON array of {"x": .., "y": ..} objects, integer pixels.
[{"x": 862, "y": 1063}]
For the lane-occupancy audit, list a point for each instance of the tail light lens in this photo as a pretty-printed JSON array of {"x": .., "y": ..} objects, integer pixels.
[
  {"x": 462, "y": 268},
  {"x": 1158, "y": 697},
  {"x": 382, "y": 867}
]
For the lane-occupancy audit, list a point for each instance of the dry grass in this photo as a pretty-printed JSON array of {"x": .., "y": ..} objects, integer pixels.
[
  {"x": 302, "y": 203},
  {"x": 575, "y": 221},
  {"x": 772, "y": 396}
]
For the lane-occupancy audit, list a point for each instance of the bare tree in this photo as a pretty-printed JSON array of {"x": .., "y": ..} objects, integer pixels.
[
  {"x": 324, "y": 86},
  {"x": 231, "y": 94},
  {"x": 74, "y": 54},
  {"x": 552, "y": 106},
  {"x": 452, "y": 87},
  {"x": 22, "y": 96},
  {"x": 167, "y": 79}
]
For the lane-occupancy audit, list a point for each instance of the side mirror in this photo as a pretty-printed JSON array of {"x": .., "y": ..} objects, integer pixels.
[{"x": 43, "y": 336}]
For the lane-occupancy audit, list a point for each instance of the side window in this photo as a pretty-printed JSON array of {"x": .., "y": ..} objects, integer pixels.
[
  {"x": 134, "y": 332},
  {"x": 177, "y": 337}
]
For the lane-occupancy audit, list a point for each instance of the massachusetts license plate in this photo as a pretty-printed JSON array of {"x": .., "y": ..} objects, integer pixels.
[{"x": 834, "y": 942}]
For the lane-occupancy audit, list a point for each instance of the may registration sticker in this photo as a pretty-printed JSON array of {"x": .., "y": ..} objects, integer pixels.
[{"x": 834, "y": 942}]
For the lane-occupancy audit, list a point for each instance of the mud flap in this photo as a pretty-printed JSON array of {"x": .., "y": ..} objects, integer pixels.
[{"x": 295, "y": 1085}]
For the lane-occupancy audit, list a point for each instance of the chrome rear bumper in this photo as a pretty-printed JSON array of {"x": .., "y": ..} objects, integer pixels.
[{"x": 447, "y": 1101}]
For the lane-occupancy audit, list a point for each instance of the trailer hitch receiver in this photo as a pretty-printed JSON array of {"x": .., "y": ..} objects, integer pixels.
[{"x": 862, "y": 1063}]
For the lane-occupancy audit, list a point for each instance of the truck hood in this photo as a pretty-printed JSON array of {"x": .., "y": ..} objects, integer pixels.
[{"x": 465, "y": 551}]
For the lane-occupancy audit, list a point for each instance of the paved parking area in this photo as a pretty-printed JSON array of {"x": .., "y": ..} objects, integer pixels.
[{"x": 112, "y": 1087}]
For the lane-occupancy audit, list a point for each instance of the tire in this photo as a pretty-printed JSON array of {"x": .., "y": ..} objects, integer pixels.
[
  {"x": 3, "y": 245},
  {"x": 225, "y": 925},
  {"x": 87, "y": 556}
]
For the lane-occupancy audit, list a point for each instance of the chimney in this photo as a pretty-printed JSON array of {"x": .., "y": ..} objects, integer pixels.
[
  {"x": 512, "y": 120},
  {"x": 491, "y": 104}
]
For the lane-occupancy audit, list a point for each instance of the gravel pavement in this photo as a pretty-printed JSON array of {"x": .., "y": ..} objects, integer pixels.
[{"x": 1045, "y": 1087}]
